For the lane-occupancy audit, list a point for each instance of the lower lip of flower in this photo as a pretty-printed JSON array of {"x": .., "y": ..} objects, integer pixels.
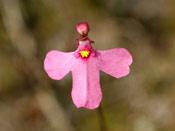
[{"x": 85, "y": 53}]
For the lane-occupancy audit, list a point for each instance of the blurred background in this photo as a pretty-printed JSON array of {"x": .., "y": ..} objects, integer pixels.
[{"x": 142, "y": 101}]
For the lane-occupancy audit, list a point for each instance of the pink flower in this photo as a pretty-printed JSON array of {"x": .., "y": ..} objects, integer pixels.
[{"x": 85, "y": 64}]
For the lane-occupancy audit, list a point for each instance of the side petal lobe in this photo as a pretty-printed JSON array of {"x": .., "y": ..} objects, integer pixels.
[
  {"x": 58, "y": 64},
  {"x": 115, "y": 62}
]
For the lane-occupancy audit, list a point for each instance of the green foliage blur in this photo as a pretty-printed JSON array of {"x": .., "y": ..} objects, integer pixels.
[{"x": 142, "y": 101}]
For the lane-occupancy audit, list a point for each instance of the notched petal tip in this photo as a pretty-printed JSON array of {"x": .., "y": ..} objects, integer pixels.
[
  {"x": 125, "y": 73},
  {"x": 91, "y": 107}
]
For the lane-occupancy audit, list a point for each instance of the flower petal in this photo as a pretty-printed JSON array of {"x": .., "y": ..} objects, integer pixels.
[
  {"x": 86, "y": 90},
  {"x": 114, "y": 62},
  {"x": 57, "y": 64}
]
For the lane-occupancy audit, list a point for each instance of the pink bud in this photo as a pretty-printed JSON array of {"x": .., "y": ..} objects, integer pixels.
[{"x": 83, "y": 28}]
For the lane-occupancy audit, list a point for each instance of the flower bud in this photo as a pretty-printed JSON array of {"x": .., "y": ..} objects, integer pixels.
[{"x": 83, "y": 28}]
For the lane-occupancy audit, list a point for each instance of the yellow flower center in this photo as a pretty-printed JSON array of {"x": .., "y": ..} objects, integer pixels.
[{"x": 85, "y": 53}]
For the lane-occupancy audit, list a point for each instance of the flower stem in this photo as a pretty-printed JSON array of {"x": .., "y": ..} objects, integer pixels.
[{"x": 101, "y": 119}]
